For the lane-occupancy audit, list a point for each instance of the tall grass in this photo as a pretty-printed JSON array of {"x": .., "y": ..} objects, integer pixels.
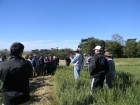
[{"x": 125, "y": 89}]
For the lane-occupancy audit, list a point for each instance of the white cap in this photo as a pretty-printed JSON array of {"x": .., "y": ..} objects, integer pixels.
[
  {"x": 97, "y": 48},
  {"x": 76, "y": 50}
]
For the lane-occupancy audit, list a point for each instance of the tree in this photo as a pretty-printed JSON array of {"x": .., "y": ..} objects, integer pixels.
[
  {"x": 131, "y": 48},
  {"x": 118, "y": 38},
  {"x": 116, "y": 49},
  {"x": 87, "y": 45},
  {"x": 138, "y": 49}
]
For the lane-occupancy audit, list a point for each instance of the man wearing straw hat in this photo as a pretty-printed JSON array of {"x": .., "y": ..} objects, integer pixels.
[
  {"x": 111, "y": 73},
  {"x": 77, "y": 61},
  {"x": 98, "y": 68}
]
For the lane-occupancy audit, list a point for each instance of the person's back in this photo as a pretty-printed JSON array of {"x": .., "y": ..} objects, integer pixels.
[
  {"x": 35, "y": 61},
  {"x": 15, "y": 74},
  {"x": 35, "y": 65},
  {"x": 98, "y": 68},
  {"x": 41, "y": 61},
  {"x": 111, "y": 73},
  {"x": 98, "y": 65}
]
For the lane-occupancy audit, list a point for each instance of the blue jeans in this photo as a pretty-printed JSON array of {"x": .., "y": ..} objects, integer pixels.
[{"x": 76, "y": 72}]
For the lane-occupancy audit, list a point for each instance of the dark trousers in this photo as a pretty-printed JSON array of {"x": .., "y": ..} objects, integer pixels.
[{"x": 97, "y": 82}]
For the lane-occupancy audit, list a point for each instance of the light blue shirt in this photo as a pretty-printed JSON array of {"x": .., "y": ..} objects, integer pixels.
[{"x": 77, "y": 60}]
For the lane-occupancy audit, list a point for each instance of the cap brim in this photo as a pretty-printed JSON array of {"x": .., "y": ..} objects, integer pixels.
[{"x": 109, "y": 55}]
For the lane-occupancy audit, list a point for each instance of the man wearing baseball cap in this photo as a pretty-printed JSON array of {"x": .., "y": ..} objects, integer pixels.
[{"x": 98, "y": 68}]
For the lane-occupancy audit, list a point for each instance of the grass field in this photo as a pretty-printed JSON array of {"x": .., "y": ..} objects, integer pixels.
[
  {"x": 131, "y": 65},
  {"x": 62, "y": 89},
  {"x": 125, "y": 89}
]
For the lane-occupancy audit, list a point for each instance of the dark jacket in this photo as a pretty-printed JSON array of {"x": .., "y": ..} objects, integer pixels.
[
  {"x": 35, "y": 62},
  {"x": 98, "y": 66},
  {"x": 15, "y": 74}
]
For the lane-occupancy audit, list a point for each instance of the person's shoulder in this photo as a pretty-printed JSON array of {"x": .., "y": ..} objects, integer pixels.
[
  {"x": 25, "y": 62},
  {"x": 5, "y": 63},
  {"x": 96, "y": 56},
  {"x": 1, "y": 63},
  {"x": 100, "y": 56},
  {"x": 110, "y": 61}
]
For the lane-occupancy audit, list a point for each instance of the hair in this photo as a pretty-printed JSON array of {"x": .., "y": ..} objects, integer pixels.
[{"x": 16, "y": 49}]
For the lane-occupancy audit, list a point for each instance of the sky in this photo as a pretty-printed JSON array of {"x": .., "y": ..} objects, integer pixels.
[{"x": 46, "y": 24}]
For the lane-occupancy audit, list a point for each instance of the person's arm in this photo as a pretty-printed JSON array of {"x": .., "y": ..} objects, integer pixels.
[
  {"x": 93, "y": 66},
  {"x": 106, "y": 66},
  {"x": 30, "y": 68},
  {"x": 74, "y": 60}
]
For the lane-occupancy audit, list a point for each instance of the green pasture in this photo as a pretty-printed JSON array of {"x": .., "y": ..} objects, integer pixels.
[
  {"x": 127, "y": 61},
  {"x": 125, "y": 89},
  {"x": 130, "y": 65}
]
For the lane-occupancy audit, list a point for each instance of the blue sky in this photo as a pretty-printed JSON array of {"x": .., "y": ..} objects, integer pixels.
[{"x": 45, "y": 24}]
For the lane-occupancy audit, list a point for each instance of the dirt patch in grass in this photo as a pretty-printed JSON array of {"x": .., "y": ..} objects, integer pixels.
[{"x": 42, "y": 91}]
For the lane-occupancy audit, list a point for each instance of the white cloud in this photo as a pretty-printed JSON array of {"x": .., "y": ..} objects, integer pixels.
[{"x": 43, "y": 44}]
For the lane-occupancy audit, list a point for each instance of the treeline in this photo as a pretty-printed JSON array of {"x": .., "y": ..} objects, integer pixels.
[
  {"x": 60, "y": 53},
  {"x": 117, "y": 46}
]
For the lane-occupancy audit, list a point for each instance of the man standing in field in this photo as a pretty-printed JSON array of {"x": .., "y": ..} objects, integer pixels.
[
  {"x": 35, "y": 65},
  {"x": 111, "y": 73},
  {"x": 77, "y": 61},
  {"x": 15, "y": 74},
  {"x": 98, "y": 68}
]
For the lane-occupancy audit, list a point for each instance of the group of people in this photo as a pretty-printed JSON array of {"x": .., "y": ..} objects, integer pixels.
[
  {"x": 101, "y": 67},
  {"x": 16, "y": 71},
  {"x": 43, "y": 65}
]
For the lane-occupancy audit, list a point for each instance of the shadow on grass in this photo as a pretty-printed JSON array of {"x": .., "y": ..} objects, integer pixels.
[{"x": 35, "y": 84}]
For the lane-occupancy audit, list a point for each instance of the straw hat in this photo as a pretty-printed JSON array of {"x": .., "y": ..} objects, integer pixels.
[{"x": 108, "y": 54}]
